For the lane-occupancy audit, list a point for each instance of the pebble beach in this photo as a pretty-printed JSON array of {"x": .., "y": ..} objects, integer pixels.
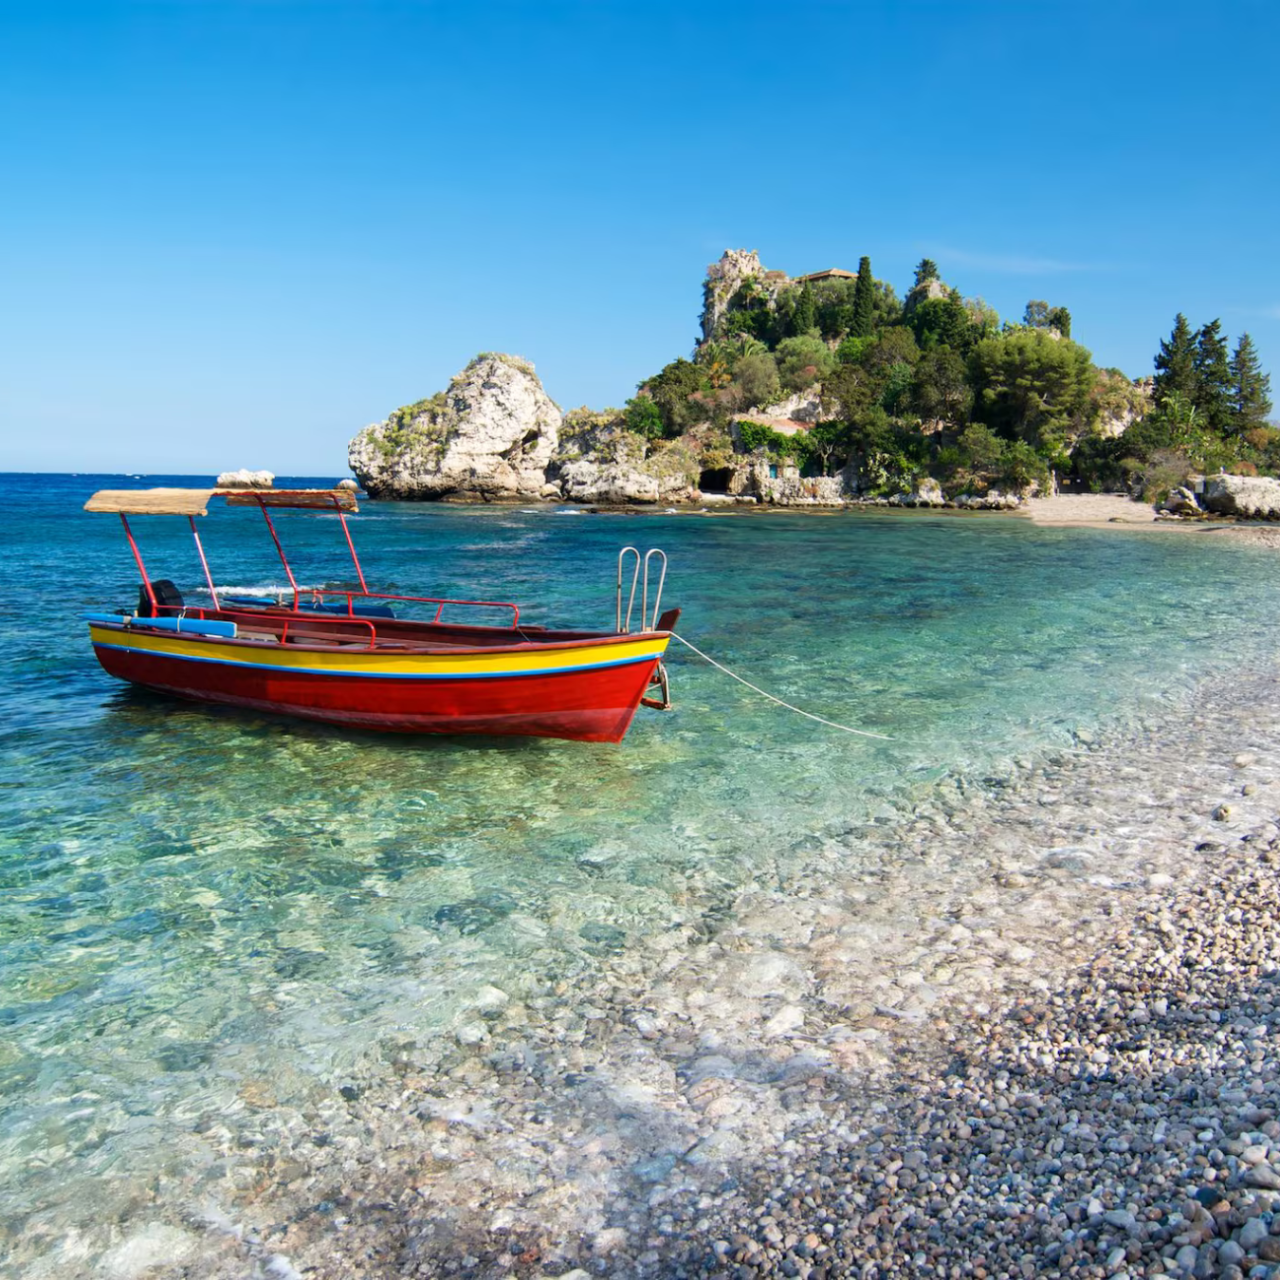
[{"x": 1070, "y": 1074}]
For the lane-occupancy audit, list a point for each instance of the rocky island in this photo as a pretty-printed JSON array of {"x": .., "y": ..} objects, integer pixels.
[{"x": 825, "y": 389}]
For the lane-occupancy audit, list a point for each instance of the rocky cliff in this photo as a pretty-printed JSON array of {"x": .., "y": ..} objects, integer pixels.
[
  {"x": 496, "y": 435},
  {"x": 599, "y": 460},
  {"x": 492, "y": 434},
  {"x": 736, "y": 270}
]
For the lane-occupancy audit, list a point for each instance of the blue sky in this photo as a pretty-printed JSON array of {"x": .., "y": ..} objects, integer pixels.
[{"x": 233, "y": 234}]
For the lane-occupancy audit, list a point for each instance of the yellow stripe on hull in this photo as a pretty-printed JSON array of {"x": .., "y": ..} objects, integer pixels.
[{"x": 364, "y": 662}]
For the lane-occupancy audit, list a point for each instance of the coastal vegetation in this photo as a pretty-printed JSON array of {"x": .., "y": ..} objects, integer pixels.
[{"x": 936, "y": 386}]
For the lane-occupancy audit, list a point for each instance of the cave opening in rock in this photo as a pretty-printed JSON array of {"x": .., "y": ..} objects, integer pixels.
[{"x": 715, "y": 480}]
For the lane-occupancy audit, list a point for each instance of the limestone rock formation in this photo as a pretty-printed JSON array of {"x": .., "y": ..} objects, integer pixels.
[
  {"x": 1253, "y": 497},
  {"x": 246, "y": 479},
  {"x": 491, "y": 435},
  {"x": 1120, "y": 402},
  {"x": 1181, "y": 502},
  {"x": 599, "y": 460},
  {"x": 736, "y": 268},
  {"x": 802, "y": 406},
  {"x": 926, "y": 291}
]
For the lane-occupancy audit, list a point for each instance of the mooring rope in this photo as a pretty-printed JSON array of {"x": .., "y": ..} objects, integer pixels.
[{"x": 844, "y": 728}]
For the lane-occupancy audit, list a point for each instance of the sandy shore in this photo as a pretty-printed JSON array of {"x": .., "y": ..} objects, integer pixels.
[
  {"x": 1092, "y": 510},
  {"x": 1111, "y": 511}
]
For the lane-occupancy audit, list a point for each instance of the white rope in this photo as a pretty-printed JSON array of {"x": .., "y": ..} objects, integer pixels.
[{"x": 844, "y": 728}]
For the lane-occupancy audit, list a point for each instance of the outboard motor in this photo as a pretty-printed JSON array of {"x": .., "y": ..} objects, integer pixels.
[{"x": 168, "y": 599}]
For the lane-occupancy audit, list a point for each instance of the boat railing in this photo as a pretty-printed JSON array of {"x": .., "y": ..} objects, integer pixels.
[
  {"x": 639, "y": 567},
  {"x": 318, "y": 593},
  {"x": 624, "y": 625},
  {"x": 253, "y": 616}
]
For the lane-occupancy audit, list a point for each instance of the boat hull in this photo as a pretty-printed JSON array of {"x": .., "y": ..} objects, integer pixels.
[{"x": 588, "y": 693}]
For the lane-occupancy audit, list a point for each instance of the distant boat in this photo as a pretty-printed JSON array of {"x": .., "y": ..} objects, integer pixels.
[{"x": 349, "y": 657}]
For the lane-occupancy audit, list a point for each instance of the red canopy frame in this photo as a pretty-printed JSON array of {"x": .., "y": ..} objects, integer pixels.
[{"x": 339, "y": 501}]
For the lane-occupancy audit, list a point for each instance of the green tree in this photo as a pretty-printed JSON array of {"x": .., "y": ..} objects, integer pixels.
[
  {"x": 756, "y": 377},
  {"x": 942, "y": 389},
  {"x": 895, "y": 345},
  {"x": 887, "y": 310},
  {"x": 802, "y": 361},
  {"x": 834, "y": 302},
  {"x": 849, "y": 391},
  {"x": 888, "y": 457},
  {"x": 926, "y": 270},
  {"x": 981, "y": 448},
  {"x": 805, "y": 316},
  {"x": 1212, "y": 394},
  {"x": 754, "y": 324},
  {"x": 864, "y": 304},
  {"x": 673, "y": 391},
  {"x": 898, "y": 381},
  {"x": 828, "y": 441},
  {"x": 1250, "y": 388},
  {"x": 984, "y": 319},
  {"x": 942, "y": 322},
  {"x": 1176, "y": 363},
  {"x": 644, "y": 417},
  {"x": 1022, "y": 467},
  {"x": 1036, "y": 389},
  {"x": 1036, "y": 315},
  {"x": 1040, "y": 315},
  {"x": 852, "y": 350}
]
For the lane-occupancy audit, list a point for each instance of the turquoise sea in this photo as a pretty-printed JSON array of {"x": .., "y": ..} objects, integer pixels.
[{"x": 193, "y": 900}]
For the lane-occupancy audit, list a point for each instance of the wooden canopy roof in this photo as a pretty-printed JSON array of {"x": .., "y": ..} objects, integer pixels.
[
  {"x": 151, "y": 502},
  {"x": 195, "y": 502}
]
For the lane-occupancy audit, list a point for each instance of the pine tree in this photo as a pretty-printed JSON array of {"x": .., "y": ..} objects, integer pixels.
[
  {"x": 864, "y": 301},
  {"x": 1250, "y": 388},
  {"x": 1176, "y": 363},
  {"x": 1212, "y": 393},
  {"x": 1060, "y": 319},
  {"x": 805, "y": 316},
  {"x": 926, "y": 270}
]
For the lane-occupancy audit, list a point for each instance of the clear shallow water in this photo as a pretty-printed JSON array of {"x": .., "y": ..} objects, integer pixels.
[{"x": 200, "y": 909}]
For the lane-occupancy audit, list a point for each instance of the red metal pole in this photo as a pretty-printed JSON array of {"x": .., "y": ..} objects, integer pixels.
[
  {"x": 208, "y": 577},
  {"x": 142, "y": 568},
  {"x": 284, "y": 560},
  {"x": 355, "y": 559}
]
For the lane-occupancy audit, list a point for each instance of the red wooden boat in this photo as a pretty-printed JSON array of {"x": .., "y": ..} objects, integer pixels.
[{"x": 350, "y": 657}]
